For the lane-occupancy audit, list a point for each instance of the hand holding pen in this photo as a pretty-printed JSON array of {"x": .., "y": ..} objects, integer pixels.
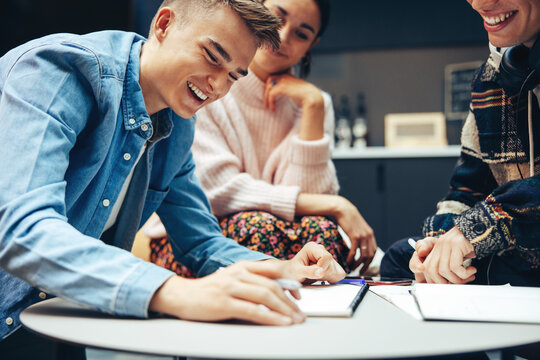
[
  {"x": 443, "y": 260},
  {"x": 412, "y": 242}
]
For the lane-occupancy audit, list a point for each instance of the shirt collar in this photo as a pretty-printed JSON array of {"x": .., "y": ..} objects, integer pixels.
[{"x": 135, "y": 115}]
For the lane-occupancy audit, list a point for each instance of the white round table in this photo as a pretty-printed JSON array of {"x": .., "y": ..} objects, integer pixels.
[{"x": 377, "y": 330}]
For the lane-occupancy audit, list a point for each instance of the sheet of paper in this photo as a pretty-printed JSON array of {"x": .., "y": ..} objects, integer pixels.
[
  {"x": 478, "y": 303},
  {"x": 329, "y": 300},
  {"x": 398, "y": 296}
]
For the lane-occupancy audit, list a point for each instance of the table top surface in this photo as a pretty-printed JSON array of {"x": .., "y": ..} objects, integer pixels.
[{"x": 378, "y": 329}]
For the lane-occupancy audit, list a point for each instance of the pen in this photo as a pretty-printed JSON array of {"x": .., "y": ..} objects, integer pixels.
[
  {"x": 289, "y": 284},
  {"x": 466, "y": 262},
  {"x": 352, "y": 281}
]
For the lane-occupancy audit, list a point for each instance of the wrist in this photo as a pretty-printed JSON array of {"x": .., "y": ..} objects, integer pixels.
[
  {"x": 336, "y": 207},
  {"x": 313, "y": 101},
  {"x": 312, "y": 124},
  {"x": 167, "y": 299}
]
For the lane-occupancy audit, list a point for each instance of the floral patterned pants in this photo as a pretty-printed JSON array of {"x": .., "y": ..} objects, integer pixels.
[{"x": 266, "y": 233}]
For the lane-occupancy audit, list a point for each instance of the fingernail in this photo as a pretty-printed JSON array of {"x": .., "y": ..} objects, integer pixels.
[
  {"x": 285, "y": 320},
  {"x": 298, "y": 318}
]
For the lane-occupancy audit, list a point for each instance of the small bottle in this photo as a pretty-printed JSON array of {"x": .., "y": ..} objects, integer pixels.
[
  {"x": 343, "y": 125},
  {"x": 359, "y": 129}
]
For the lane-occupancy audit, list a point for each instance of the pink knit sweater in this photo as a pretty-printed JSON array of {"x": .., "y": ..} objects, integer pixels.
[{"x": 249, "y": 158}]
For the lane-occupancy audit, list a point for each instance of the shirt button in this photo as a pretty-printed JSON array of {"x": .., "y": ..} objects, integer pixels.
[
  {"x": 106, "y": 202},
  {"x": 9, "y": 321},
  {"x": 144, "y": 127},
  {"x": 127, "y": 156},
  {"x": 131, "y": 121},
  {"x": 42, "y": 295},
  {"x": 479, "y": 228}
]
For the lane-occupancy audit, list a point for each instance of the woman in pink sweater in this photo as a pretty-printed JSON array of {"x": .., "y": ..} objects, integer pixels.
[{"x": 263, "y": 154}]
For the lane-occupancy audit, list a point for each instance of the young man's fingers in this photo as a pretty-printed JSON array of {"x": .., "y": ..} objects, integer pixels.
[
  {"x": 415, "y": 264},
  {"x": 246, "y": 310},
  {"x": 295, "y": 294},
  {"x": 271, "y": 268},
  {"x": 419, "y": 277},
  {"x": 432, "y": 269},
  {"x": 444, "y": 266},
  {"x": 313, "y": 252},
  {"x": 456, "y": 266},
  {"x": 258, "y": 294},
  {"x": 424, "y": 247},
  {"x": 271, "y": 285}
]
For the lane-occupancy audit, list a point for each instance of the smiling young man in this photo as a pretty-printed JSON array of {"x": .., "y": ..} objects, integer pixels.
[
  {"x": 97, "y": 131},
  {"x": 492, "y": 212}
]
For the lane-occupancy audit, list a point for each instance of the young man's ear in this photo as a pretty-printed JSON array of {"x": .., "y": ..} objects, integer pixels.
[{"x": 163, "y": 23}]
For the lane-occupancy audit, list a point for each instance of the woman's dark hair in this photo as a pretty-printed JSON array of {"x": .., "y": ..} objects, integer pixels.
[{"x": 324, "y": 10}]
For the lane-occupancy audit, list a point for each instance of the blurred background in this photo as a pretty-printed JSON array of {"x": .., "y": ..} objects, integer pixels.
[
  {"x": 393, "y": 53},
  {"x": 376, "y": 58}
]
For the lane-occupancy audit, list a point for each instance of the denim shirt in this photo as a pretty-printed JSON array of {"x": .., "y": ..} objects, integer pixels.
[{"x": 73, "y": 122}]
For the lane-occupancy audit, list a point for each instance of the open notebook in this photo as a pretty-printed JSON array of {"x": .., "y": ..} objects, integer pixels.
[
  {"x": 497, "y": 303},
  {"x": 340, "y": 300}
]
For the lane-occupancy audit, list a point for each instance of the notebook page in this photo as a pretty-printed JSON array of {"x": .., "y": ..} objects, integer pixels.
[
  {"x": 478, "y": 302},
  {"x": 328, "y": 300}
]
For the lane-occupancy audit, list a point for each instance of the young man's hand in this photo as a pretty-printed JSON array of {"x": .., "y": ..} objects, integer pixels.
[
  {"x": 416, "y": 264},
  {"x": 312, "y": 263},
  {"x": 441, "y": 260},
  {"x": 246, "y": 290}
]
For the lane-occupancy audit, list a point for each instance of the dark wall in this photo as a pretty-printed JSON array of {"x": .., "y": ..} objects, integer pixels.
[
  {"x": 23, "y": 20},
  {"x": 368, "y": 24},
  {"x": 395, "y": 53}
]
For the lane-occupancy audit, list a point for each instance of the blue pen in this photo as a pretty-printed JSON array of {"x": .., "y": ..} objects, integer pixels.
[{"x": 352, "y": 281}]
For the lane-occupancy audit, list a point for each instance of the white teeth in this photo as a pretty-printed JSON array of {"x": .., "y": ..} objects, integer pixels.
[
  {"x": 498, "y": 19},
  {"x": 197, "y": 91}
]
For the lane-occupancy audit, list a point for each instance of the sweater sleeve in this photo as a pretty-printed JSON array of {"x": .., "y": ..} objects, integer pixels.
[
  {"x": 509, "y": 218},
  {"x": 219, "y": 160},
  {"x": 310, "y": 162},
  {"x": 493, "y": 218}
]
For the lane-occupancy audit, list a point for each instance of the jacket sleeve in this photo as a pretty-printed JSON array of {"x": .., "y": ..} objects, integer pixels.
[
  {"x": 229, "y": 188},
  {"x": 508, "y": 219},
  {"x": 45, "y": 102},
  {"x": 493, "y": 218},
  {"x": 309, "y": 160},
  {"x": 194, "y": 233}
]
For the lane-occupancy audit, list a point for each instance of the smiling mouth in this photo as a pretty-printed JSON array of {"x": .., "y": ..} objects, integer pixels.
[
  {"x": 499, "y": 19},
  {"x": 277, "y": 53},
  {"x": 197, "y": 93}
]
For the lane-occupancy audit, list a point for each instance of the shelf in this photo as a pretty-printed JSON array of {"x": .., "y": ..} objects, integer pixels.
[{"x": 381, "y": 152}]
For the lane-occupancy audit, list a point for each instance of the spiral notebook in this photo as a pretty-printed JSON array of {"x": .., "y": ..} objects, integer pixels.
[{"x": 340, "y": 300}]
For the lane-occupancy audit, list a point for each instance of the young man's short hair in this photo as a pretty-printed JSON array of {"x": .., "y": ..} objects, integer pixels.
[{"x": 261, "y": 22}]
